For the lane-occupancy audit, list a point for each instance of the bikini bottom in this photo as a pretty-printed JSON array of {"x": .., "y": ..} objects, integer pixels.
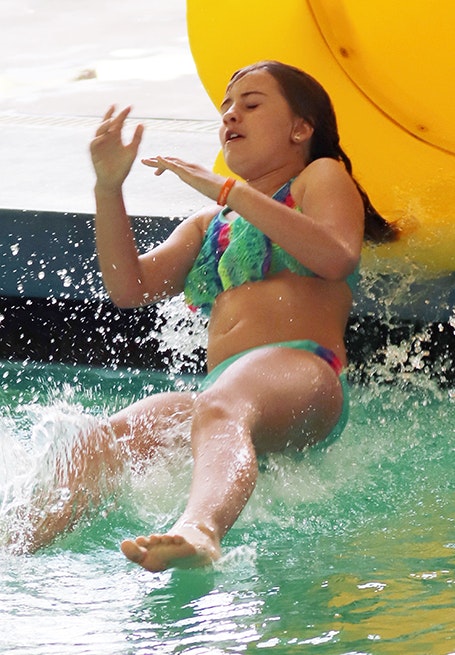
[{"x": 309, "y": 346}]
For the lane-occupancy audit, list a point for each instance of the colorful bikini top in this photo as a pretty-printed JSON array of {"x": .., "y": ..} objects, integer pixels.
[{"x": 236, "y": 252}]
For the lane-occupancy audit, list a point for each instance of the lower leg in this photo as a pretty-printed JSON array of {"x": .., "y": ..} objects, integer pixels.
[
  {"x": 224, "y": 476},
  {"x": 79, "y": 472},
  {"x": 70, "y": 478}
]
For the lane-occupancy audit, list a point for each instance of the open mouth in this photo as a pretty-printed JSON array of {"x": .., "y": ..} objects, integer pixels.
[{"x": 233, "y": 136}]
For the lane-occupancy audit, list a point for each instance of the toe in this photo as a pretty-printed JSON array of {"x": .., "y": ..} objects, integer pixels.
[{"x": 132, "y": 551}]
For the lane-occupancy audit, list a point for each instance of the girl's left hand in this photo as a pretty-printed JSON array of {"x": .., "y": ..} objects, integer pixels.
[{"x": 198, "y": 177}]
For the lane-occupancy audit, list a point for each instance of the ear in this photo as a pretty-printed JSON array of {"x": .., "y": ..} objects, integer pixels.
[{"x": 302, "y": 131}]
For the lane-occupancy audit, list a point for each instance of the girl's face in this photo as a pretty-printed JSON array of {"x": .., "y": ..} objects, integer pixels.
[{"x": 259, "y": 133}]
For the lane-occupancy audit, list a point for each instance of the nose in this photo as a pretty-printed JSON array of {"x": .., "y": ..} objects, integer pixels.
[{"x": 230, "y": 115}]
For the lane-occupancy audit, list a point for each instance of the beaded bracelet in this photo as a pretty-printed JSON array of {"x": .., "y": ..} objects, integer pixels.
[{"x": 225, "y": 190}]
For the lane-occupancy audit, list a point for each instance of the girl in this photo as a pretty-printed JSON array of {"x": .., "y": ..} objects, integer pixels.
[{"x": 273, "y": 261}]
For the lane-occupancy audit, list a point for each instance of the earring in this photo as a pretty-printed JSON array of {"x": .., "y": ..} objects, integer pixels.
[{"x": 297, "y": 138}]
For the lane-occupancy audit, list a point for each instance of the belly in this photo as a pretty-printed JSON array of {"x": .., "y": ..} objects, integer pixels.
[{"x": 285, "y": 307}]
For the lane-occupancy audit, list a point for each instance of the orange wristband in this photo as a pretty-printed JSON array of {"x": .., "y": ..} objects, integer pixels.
[{"x": 225, "y": 190}]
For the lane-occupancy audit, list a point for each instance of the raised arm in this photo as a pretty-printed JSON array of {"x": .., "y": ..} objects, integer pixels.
[
  {"x": 132, "y": 280},
  {"x": 116, "y": 248},
  {"x": 325, "y": 236}
]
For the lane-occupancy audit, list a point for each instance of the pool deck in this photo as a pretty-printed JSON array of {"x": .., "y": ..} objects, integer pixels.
[{"x": 62, "y": 69}]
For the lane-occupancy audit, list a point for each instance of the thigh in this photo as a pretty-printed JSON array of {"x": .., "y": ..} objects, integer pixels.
[
  {"x": 152, "y": 422},
  {"x": 288, "y": 397}
]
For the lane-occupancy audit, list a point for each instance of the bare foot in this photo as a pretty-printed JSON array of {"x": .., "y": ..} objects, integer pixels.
[{"x": 192, "y": 546}]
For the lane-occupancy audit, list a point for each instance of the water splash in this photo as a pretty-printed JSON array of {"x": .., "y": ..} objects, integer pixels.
[
  {"x": 404, "y": 324},
  {"x": 181, "y": 334},
  {"x": 40, "y": 493}
]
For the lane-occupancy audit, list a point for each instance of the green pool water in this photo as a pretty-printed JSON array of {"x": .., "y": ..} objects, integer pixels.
[{"x": 348, "y": 551}]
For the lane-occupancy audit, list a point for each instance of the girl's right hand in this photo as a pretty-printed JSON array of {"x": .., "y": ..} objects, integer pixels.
[{"x": 112, "y": 159}]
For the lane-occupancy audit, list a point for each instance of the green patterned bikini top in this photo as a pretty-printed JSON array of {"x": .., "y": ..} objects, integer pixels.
[{"x": 236, "y": 252}]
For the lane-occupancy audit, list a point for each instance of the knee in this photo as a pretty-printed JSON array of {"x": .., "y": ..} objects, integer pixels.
[
  {"x": 220, "y": 410},
  {"x": 211, "y": 407},
  {"x": 219, "y": 426}
]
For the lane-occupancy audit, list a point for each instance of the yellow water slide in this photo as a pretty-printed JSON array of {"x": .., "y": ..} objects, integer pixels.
[{"x": 389, "y": 68}]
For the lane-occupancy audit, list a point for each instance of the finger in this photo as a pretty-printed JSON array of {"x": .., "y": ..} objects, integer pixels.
[
  {"x": 150, "y": 161},
  {"x": 115, "y": 125},
  {"x": 157, "y": 162},
  {"x": 137, "y": 136},
  {"x": 120, "y": 118},
  {"x": 164, "y": 164},
  {"x": 103, "y": 128},
  {"x": 109, "y": 113},
  {"x": 171, "y": 162},
  {"x": 109, "y": 123}
]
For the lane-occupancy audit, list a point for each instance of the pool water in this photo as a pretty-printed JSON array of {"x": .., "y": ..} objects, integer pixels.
[{"x": 348, "y": 551}]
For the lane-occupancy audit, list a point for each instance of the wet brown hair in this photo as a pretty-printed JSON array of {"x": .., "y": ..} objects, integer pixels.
[{"x": 310, "y": 101}]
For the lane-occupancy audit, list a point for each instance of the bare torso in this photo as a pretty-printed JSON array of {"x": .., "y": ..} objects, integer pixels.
[{"x": 284, "y": 307}]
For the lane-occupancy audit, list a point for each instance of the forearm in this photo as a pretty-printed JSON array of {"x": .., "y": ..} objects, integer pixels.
[
  {"x": 310, "y": 241},
  {"x": 116, "y": 248}
]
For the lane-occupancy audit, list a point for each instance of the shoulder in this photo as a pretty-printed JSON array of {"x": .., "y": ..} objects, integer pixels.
[
  {"x": 202, "y": 218},
  {"x": 326, "y": 183},
  {"x": 194, "y": 227},
  {"x": 322, "y": 171}
]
